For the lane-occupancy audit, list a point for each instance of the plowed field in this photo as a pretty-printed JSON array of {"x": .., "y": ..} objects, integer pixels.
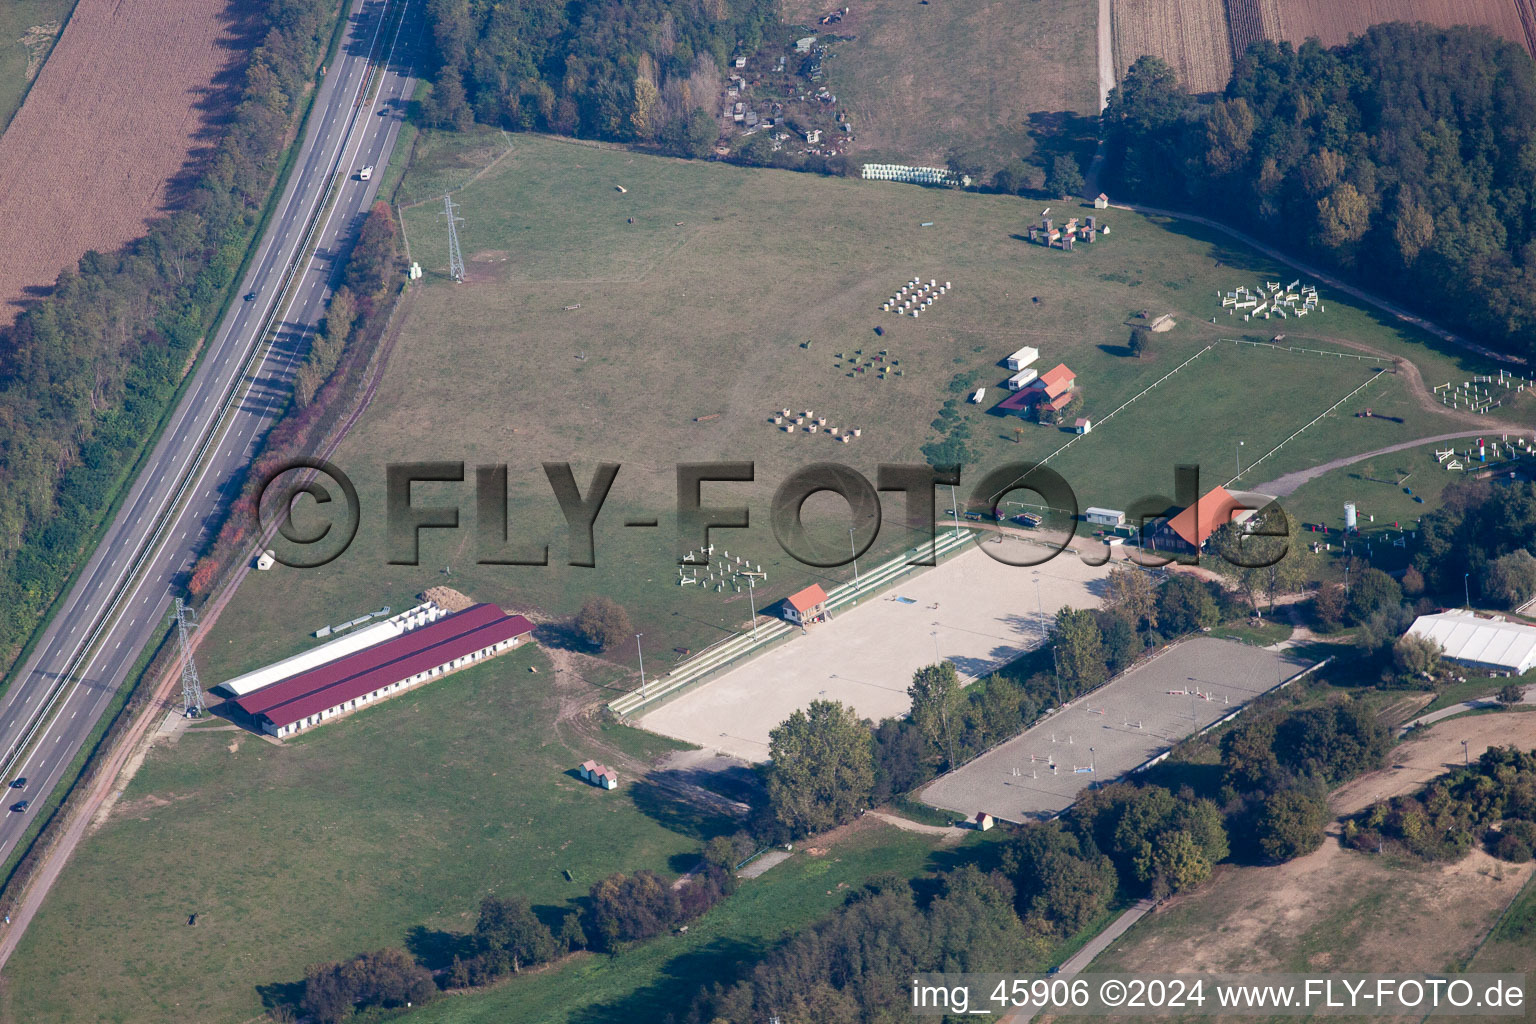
[
  {"x": 1333, "y": 22},
  {"x": 129, "y": 94},
  {"x": 1191, "y": 35}
]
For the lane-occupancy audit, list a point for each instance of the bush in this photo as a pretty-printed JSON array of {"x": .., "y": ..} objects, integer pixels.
[
  {"x": 603, "y": 623},
  {"x": 1515, "y": 841},
  {"x": 385, "y": 979},
  {"x": 1290, "y": 824}
]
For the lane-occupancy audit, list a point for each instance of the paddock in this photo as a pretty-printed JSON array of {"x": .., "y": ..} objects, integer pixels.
[
  {"x": 1124, "y": 724},
  {"x": 972, "y": 610}
]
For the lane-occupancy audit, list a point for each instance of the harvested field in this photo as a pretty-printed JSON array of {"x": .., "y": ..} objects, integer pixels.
[
  {"x": 1191, "y": 35},
  {"x": 1245, "y": 19},
  {"x": 129, "y": 94},
  {"x": 1333, "y": 22}
]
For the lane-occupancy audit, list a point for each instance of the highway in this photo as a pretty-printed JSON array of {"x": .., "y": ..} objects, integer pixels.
[{"x": 119, "y": 602}]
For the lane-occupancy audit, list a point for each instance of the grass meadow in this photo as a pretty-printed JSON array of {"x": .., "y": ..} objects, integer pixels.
[
  {"x": 28, "y": 29},
  {"x": 1029, "y": 85},
  {"x": 385, "y": 828},
  {"x": 580, "y": 336}
]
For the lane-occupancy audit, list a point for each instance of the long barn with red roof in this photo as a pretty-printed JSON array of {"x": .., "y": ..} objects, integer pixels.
[{"x": 384, "y": 670}]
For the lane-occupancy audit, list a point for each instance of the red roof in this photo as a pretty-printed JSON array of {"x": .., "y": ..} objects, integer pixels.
[
  {"x": 1197, "y": 522},
  {"x": 1057, "y": 402},
  {"x": 372, "y": 668},
  {"x": 808, "y": 598},
  {"x": 1056, "y": 381},
  {"x": 1019, "y": 400}
]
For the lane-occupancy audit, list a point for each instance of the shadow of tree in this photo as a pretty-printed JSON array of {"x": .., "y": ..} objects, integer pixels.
[
  {"x": 435, "y": 949},
  {"x": 720, "y": 961},
  {"x": 279, "y": 994},
  {"x": 666, "y": 806}
]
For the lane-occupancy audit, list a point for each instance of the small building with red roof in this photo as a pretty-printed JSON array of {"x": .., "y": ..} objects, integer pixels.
[
  {"x": 1191, "y": 527},
  {"x": 806, "y": 606},
  {"x": 1052, "y": 390},
  {"x": 1056, "y": 381}
]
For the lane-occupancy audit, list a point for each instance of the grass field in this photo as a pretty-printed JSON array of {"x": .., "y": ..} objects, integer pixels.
[
  {"x": 383, "y": 829},
  {"x": 1511, "y": 946},
  {"x": 662, "y": 977},
  {"x": 684, "y": 337},
  {"x": 28, "y": 29},
  {"x": 1027, "y": 78},
  {"x": 690, "y": 327}
]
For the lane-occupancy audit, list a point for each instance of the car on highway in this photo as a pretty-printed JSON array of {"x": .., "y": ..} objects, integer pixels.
[
  {"x": 365, "y": 173},
  {"x": 19, "y": 782},
  {"x": 20, "y": 806},
  {"x": 250, "y": 296}
]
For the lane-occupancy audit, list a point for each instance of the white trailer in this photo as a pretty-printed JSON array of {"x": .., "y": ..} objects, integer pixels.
[
  {"x": 1023, "y": 357},
  {"x": 1020, "y": 380}
]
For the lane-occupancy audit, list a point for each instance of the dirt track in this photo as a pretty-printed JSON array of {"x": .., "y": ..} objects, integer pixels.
[{"x": 130, "y": 94}]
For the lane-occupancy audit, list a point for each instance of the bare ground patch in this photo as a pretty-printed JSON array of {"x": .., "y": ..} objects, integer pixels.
[{"x": 1337, "y": 909}]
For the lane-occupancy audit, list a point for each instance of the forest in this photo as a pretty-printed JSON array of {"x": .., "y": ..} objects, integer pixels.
[
  {"x": 1405, "y": 159},
  {"x": 637, "y": 71},
  {"x": 87, "y": 373}
]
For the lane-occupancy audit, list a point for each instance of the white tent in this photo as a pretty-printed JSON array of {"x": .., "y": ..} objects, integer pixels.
[{"x": 1494, "y": 644}]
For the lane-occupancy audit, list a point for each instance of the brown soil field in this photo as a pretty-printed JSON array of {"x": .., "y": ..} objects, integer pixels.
[
  {"x": 127, "y": 101},
  {"x": 1191, "y": 35},
  {"x": 1333, "y": 22}
]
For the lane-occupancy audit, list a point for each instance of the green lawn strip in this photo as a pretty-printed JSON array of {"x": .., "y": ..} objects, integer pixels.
[
  {"x": 662, "y": 976},
  {"x": 21, "y": 45}
]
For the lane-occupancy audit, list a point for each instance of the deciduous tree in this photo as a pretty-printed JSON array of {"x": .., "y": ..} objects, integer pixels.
[
  {"x": 603, "y": 623},
  {"x": 821, "y": 770},
  {"x": 937, "y": 698}
]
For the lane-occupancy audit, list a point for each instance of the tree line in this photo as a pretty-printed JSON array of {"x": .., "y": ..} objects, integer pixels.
[
  {"x": 87, "y": 373},
  {"x": 825, "y": 764},
  {"x": 633, "y": 71},
  {"x": 1055, "y": 879},
  {"x": 1405, "y": 159},
  {"x": 1486, "y": 531},
  {"x": 510, "y": 936},
  {"x": 1492, "y": 802},
  {"x": 338, "y": 354}
]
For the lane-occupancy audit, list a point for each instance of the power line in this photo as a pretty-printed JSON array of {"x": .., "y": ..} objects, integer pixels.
[
  {"x": 455, "y": 257},
  {"x": 192, "y": 705}
]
